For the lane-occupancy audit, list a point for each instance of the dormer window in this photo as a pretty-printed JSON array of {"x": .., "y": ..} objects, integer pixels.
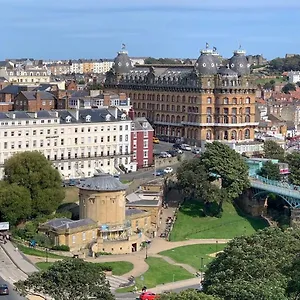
[
  {"x": 107, "y": 117},
  {"x": 145, "y": 125},
  {"x": 123, "y": 117},
  {"x": 88, "y": 118},
  {"x": 68, "y": 119}
]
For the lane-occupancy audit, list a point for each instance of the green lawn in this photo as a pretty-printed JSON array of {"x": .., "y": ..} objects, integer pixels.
[
  {"x": 192, "y": 224},
  {"x": 36, "y": 252},
  {"x": 159, "y": 272},
  {"x": 119, "y": 268},
  {"x": 72, "y": 194},
  {"x": 192, "y": 254}
]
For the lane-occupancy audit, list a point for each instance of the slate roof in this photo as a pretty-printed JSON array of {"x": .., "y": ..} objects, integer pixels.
[
  {"x": 44, "y": 87},
  {"x": 31, "y": 96},
  {"x": 133, "y": 211},
  {"x": 102, "y": 182},
  {"x": 144, "y": 203},
  {"x": 64, "y": 223},
  {"x": 13, "y": 89}
]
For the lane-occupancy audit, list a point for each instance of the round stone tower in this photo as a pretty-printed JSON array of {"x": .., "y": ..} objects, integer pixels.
[{"x": 102, "y": 199}]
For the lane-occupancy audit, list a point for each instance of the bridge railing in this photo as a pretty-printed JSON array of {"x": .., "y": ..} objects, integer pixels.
[{"x": 280, "y": 184}]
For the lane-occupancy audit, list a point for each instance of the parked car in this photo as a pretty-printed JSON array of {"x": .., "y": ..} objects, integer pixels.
[
  {"x": 164, "y": 155},
  {"x": 4, "y": 289},
  {"x": 172, "y": 152},
  {"x": 149, "y": 296},
  {"x": 196, "y": 150},
  {"x": 177, "y": 146},
  {"x": 168, "y": 170},
  {"x": 155, "y": 140},
  {"x": 159, "y": 173},
  {"x": 186, "y": 147}
]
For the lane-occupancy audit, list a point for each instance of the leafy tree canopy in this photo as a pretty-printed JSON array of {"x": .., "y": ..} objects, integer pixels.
[
  {"x": 68, "y": 279},
  {"x": 195, "y": 184},
  {"x": 293, "y": 159},
  {"x": 285, "y": 64},
  {"x": 220, "y": 159},
  {"x": 164, "y": 61},
  {"x": 288, "y": 87},
  {"x": 256, "y": 267},
  {"x": 270, "y": 171},
  {"x": 187, "y": 294},
  {"x": 273, "y": 150},
  {"x": 15, "y": 203},
  {"x": 32, "y": 171}
]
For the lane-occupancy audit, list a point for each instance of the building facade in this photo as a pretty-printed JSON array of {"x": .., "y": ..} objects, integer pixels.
[
  {"x": 142, "y": 142},
  {"x": 197, "y": 104},
  {"x": 78, "y": 142}
]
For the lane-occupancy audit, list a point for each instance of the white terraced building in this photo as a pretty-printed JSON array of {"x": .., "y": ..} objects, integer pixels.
[{"x": 78, "y": 143}]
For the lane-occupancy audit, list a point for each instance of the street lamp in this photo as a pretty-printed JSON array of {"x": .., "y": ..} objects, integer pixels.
[
  {"x": 46, "y": 250},
  {"x": 146, "y": 248},
  {"x": 201, "y": 269}
]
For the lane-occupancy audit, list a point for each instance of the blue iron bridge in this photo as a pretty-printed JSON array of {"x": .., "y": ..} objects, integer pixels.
[{"x": 288, "y": 192}]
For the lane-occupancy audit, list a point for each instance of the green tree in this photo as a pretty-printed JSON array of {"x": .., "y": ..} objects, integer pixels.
[
  {"x": 193, "y": 180},
  {"x": 268, "y": 86},
  {"x": 15, "y": 203},
  {"x": 273, "y": 150},
  {"x": 288, "y": 87},
  {"x": 293, "y": 271},
  {"x": 254, "y": 267},
  {"x": 68, "y": 279},
  {"x": 189, "y": 294},
  {"x": 220, "y": 159},
  {"x": 293, "y": 160},
  {"x": 32, "y": 171},
  {"x": 270, "y": 171}
]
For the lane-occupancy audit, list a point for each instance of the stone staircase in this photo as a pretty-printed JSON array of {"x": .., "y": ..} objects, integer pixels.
[{"x": 115, "y": 281}]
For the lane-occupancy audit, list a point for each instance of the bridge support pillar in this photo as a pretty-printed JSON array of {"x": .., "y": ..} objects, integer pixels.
[{"x": 295, "y": 218}]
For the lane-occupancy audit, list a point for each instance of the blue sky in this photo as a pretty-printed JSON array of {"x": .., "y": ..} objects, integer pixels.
[{"x": 65, "y": 29}]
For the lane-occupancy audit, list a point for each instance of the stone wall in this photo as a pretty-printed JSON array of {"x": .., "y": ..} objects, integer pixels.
[{"x": 165, "y": 162}]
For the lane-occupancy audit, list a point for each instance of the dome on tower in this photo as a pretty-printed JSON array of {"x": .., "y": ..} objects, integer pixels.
[
  {"x": 206, "y": 63},
  {"x": 122, "y": 63},
  {"x": 227, "y": 72},
  {"x": 238, "y": 63}
]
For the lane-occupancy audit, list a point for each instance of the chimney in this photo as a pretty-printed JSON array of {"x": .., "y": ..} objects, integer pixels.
[
  {"x": 116, "y": 113},
  {"x": 131, "y": 113}
]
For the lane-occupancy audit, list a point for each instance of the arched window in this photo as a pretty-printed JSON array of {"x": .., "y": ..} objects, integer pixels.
[
  {"x": 183, "y": 99},
  {"x": 178, "y": 98},
  {"x": 225, "y": 100},
  {"x": 233, "y": 135},
  {"x": 178, "y": 108},
  {"x": 233, "y": 120},
  {"x": 208, "y": 135},
  {"x": 173, "y": 98},
  {"x": 158, "y": 97},
  {"x": 196, "y": 134},
  {"x": 172, "y": 119},
  {"x": 139, "y": 105},
  {"x": 144, "y": 105},
  {"x": 234, "y": 100},
  {"x": 143, "y": 115},
  {"x": 139, "y": 114},
  {"x": 157, "y": 117},
  {"x": 139, "y": 96},
  {"x": 168, "y": 98},
  {"x": 167, "y": 118},
  {"x": 183, "y": 119},
  {"x": 247, "y": 134},
  {"x": 247, "y": 118},
  {"x": 247, "y": 100},
  {"x": 162, "y": 107},
  {"x": 163, "y": 118},
  {"x": 163, "y": 98},
  {"x": 209, "y": 119},
  {"x": 157, "y": 106},
  {"x": 178, "y": 119}
]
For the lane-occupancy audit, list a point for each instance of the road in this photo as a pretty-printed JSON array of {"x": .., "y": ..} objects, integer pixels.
[
  {"x": 9, "y": 273},
  {"x": 161, "y": 147},
  {"x": 131, "y": 296}
]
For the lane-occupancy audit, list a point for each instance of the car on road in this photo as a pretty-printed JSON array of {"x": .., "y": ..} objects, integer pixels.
[
  {"x": 159, "y": 173},
  {"x": 172, "y": 152},
  {"x": 196, "y": 150},
  {"x": 168, "y": 170},
  {"x": 155, "y": 140},
  {"x": 149, "y": 296},
  {"x": 186, "y": 147},
  {"x": 176, "y": 146},
  {"x": 165, "y": 155},
  {"x": 4, "y": 289}
]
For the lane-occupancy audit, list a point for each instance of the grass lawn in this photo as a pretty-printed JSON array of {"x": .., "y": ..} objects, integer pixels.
[
  {"x": 119, "y": 268},
  {"x": 71, "y": 194},
  {"x": 36, "y": 252},
  {"x": 192, "y": 254},
  {"x": 159, "y": 272},
  {"x": 262, "y": 81},
  {"x": 192, "y": 224}
]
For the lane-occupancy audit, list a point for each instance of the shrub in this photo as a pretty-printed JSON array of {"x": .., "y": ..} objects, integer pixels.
[
  {"x": 61, "y": 248},
  {"x": 102, "y": 253},
  {"x": 105, "y": 267}
]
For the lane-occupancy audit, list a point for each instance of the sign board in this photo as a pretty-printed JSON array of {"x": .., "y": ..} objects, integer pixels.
[{"x": 4, "y": 225}]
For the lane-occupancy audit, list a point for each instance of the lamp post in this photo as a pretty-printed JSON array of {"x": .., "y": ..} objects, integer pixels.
[
  {"x": 46, "y": 250},
  {"x": 201, "y": 269},
  {"x": 217, "y": 246},
  {"x": 146, "y": 248}
]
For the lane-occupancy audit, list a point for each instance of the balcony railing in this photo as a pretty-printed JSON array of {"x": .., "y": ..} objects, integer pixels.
[
  {"x": 89, "y": 157},
  {"x": 112, "y": 228}
]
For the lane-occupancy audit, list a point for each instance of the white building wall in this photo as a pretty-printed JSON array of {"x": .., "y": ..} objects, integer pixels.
[{"x": 77, "y": 150}]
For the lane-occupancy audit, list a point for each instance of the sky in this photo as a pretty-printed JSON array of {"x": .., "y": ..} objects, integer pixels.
[{"x": 65, "y": 29}]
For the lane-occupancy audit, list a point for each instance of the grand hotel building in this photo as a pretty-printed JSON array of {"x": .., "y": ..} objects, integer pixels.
[{"x": 196, "y": 103}]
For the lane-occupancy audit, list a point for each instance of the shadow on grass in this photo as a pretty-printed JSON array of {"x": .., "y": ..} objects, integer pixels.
[{"x": 71, "y": 207}]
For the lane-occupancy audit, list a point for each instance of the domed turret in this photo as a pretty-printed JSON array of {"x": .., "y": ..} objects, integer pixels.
[
  {"x": 206, "y": 63},
  {"x": 226, "y": 72},
  {"x": 217, "y": 58},
  {"x": 122, "y": 62},
  {"x": 238, "y": 63}
]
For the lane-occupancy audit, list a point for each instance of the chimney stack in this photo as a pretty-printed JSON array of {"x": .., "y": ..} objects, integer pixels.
[{"x": 131, "y": 113}]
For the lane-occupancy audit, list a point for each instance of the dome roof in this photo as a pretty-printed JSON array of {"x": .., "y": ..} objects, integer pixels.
[
  {"x": 238, "y": 63},
  {"x": 217, "y": 58},
  {"x": 102, "y": 183},
  {"x": 227, "y": 72},
  {"x": 122, "y": 62},
  {"x": 206, "y": 63}
]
